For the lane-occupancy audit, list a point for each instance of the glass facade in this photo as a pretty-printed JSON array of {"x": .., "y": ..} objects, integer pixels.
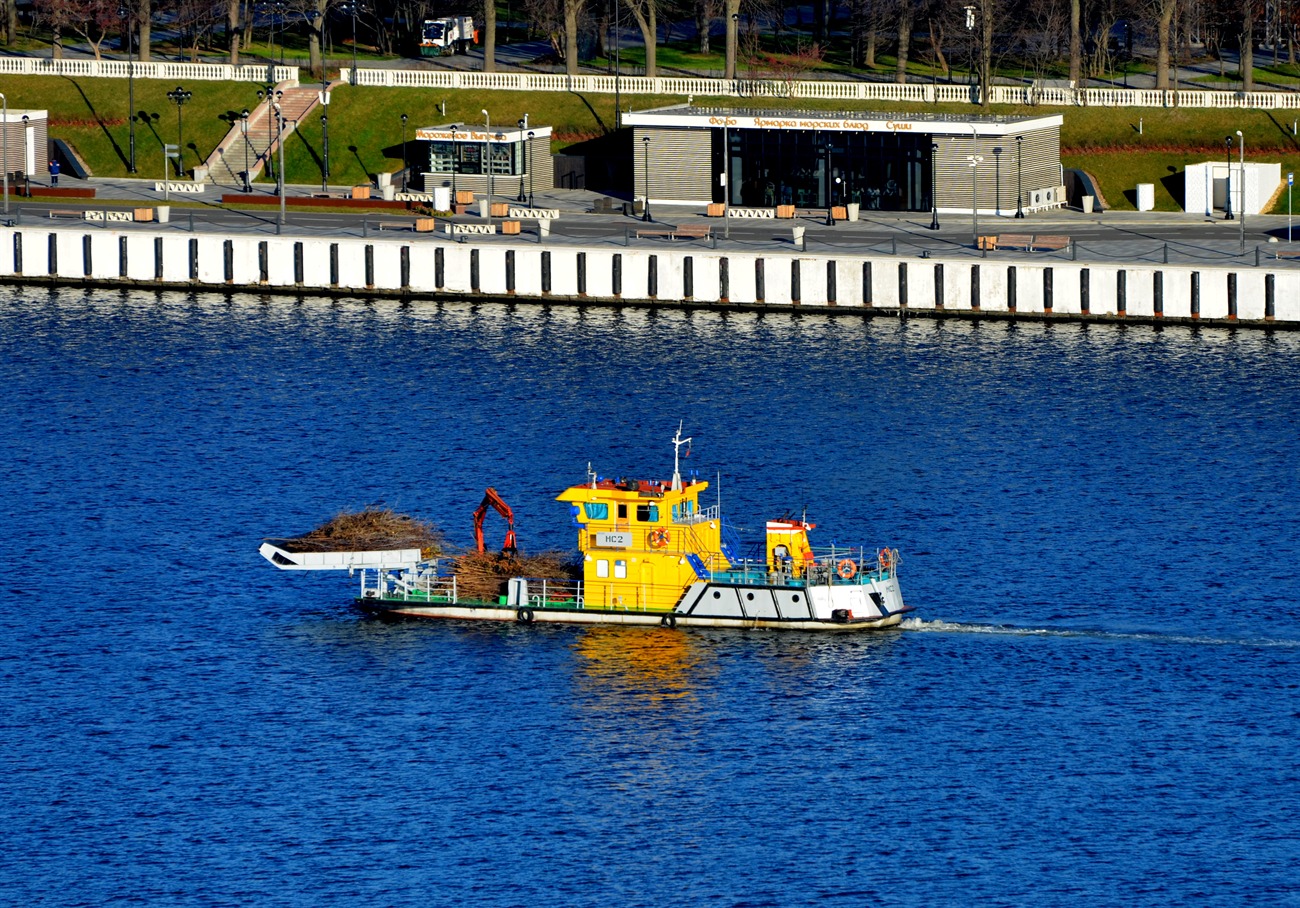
[
  {"x": 472, "y": 157},
  {"x": 880, "y": 171}
]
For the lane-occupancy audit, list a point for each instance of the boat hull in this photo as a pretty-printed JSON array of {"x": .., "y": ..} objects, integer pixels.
[{"x": 398, "y": 608}]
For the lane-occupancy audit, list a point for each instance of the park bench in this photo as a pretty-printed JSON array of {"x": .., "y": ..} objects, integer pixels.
[
  {"x": 1029, "y": 242},
  {"x": 66, "y": 213},
  {"x": 682, "y": 232}
]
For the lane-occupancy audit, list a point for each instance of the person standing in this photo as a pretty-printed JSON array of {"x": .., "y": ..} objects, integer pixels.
[{"x": 54, "y": 173}]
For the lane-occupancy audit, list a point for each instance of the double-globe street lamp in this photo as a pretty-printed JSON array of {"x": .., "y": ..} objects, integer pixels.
[
  {"x": 934, "y": 186},
  {"x": 128, "y": 36},
  {"x": 521, "y": 198},
  {"x": 487, "y": 121},
  {"x": 179, "y": 96},
  {"x": 645, "y": 202},
  {"x": 530, "y": 168},
  {"x": 404, "y": 152},
  {"x": 4, "y": 137},
  {"x": 268, "y": 95},
  {"x": 1241, "y": 199},
  {"x": 243, "y": 126},
  {"x": 1227, "y": 196},
  {"x": 325, "y": 153},
  {"x": 1020, "y": 210}
]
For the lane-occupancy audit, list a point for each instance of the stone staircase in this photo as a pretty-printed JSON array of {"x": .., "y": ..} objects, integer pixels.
[{"x": 223, "y": 166}]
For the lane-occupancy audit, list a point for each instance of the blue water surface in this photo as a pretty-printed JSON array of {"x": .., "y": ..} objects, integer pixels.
[{"x": 1096, "y": 702}]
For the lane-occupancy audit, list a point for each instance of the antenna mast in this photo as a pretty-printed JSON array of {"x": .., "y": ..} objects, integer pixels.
[{"x": 678, "y": 441}]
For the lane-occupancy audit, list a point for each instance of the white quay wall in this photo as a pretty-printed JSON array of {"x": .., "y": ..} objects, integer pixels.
[{"x": 1150, "y": 292}]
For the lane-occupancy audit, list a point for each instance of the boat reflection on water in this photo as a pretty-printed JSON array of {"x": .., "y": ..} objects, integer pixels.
[{"x": 653, "y": 664}]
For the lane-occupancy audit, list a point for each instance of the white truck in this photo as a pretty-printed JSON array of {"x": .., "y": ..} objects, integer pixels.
[{"x": 448, "y": 35}]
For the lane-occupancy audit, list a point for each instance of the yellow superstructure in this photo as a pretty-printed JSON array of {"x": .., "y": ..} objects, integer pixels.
[{"x": 643, "y": 542}]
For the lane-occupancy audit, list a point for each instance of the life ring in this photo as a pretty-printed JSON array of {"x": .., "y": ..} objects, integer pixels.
[
  {"x": 659, "y": 537},
  {"x": 847, "y": 569},
  {"x": 669, "y": 621},
  {"x": 525, "y": 615},
  {"x": 886, "y": 558}
]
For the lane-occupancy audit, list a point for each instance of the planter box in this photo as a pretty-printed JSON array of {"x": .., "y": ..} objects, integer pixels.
[
  {"x": 360, "y": 192},
  {"x": 716, "y": 209},
  {"x": 785, "y": 211},
  {"x": 839, "y": 213},
  {"x": 143, "y": 214},
  {"x": 509, "y": 227},
  {"x": 464, "y": 197},
  {"x": 425, "y": 225},
  {"x": 500, "y": 209}
]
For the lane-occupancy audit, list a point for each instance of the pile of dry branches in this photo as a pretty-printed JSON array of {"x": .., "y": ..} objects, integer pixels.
[
  {"x": 374, "y": 529},
  {"x": 482, "y": 575}
]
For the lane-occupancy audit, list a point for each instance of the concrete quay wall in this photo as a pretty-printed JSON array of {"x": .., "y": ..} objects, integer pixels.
[{"x": 655, "y": 273}]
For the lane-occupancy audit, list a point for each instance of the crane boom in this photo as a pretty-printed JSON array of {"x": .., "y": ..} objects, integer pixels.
[{"x": 491, "y": 499}]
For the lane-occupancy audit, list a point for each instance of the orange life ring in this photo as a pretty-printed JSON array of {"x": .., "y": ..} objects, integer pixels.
[
  {"x": 886, "y": 558},
  {"x": 847, "y": 569},
  {"x": 659, "y": 538}
]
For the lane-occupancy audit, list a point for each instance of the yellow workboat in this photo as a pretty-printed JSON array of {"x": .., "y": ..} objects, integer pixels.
[{"x": 651, "y": 554}]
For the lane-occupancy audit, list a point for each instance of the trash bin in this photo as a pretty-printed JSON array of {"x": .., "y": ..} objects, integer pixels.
[
  {"x": 853, "y": 209},
  {"x": 1146, "y": 196},
  {"x": 798, "y": 231},
  {"x": 1086, "y": 203},
  {"x": 164, "y": 214}
]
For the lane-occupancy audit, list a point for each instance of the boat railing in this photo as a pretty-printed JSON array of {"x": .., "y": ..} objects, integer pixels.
[
  {"x": 551, "y": 592},
  {"x": 714, "y": 512}
]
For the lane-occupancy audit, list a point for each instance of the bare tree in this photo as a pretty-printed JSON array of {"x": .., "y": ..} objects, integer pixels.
[
  {"x": 572, "y": 15},
  {"x": 489, "y": 36},
  {"x": 91, "y": 19},
  {"x": 646, "y": 13},
  {"x": 905, "y": 14}
]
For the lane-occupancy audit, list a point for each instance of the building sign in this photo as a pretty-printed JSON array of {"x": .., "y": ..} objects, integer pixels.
[
  {"x": 798, "y": 123},
  {"x": 614, "y": 540}
]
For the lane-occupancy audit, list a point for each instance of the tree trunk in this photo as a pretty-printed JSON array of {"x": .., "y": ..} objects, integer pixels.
[
  {"x": 232, "y": 30},
  {"x": 647, "y": 22},
  {"x": 702, "y": 23},
  {"x": 869, "y": 57},
  {"x": 904, "y": 40},
  {"x": 11, "y": 21},
  {"x": 936, "y": 48},
  {"x": 1076, "y": 43},
  {"x": 733, "y": 26},
  {"x": 987, "y": 22},
  {"x": 56, "y": 43},
  {"x": 1247, "y": 53},
  {"x": 490, "y": 34},
  {"x": 316, "y": 39},
  {"x": 144, "y": 16},
  {"x": 571, "y": 8},
  {"x": 1162, "y": 44}
]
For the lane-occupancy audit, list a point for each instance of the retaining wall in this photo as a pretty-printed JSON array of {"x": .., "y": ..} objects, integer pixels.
[{"x": 682, "y": 275}]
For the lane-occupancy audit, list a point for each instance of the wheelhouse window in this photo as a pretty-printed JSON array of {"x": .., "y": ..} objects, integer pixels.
[
  {"x": 596, "y": 510},
  {"x": 647, "y": 513}
]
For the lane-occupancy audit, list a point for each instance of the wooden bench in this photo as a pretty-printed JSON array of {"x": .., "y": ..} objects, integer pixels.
[
  {"x": 66, "y": 213},
  {"x": 692, "y": 232},
  {"x": 395, "y": 225},
  {"x": 680, "y": 232},
  {"x": 1029, "y": 242}
]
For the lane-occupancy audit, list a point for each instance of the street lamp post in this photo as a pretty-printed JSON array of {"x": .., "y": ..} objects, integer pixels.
[
  {"x": 487, "y": 120},
  {"x": 455, "y": 162},
  {"x": 934, "y": 186},
  {"x": 618, "y": 103},
  {"x": 179, "y": 96},
  {"x": 970, "y": 36},
  {"x": 1227, "y": 196},
  {"x": 1241, "y": 207},
  {"x": 268, "y": 95},
  {"x": 279, "y": 141},
  {"x": 1020, "y": 210},
  {"x": 325, "y": 153},
  {"x": 243, "y": 126},
  {"x": 5, "y": 139},
  {"x": 403, "y": 152},
  {"x": 830, "y": 212},
  {"x": 521, "y": 198},
  {"x": 1290, "y": 180},
  {"x": 125, "y": 12},
  {"x": 530, "y": 168},
  {"x": 645, "y": 202}
]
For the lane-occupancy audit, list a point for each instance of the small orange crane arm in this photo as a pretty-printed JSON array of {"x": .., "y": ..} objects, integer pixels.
[{"x": 493, "y": 500}]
